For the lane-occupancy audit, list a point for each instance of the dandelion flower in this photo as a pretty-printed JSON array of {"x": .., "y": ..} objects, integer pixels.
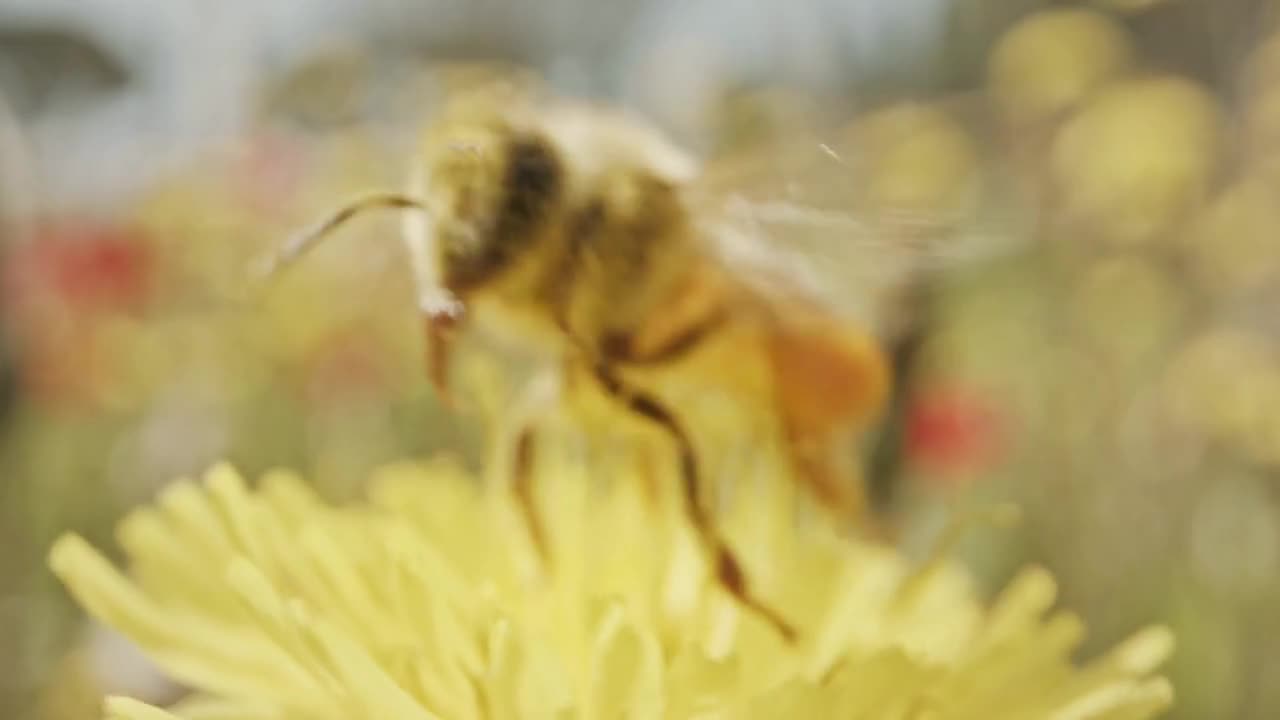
[{"x": 427, "y": 601}]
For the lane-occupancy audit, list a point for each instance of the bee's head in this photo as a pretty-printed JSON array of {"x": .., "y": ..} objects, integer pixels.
[{"x": 491, "y": 189}]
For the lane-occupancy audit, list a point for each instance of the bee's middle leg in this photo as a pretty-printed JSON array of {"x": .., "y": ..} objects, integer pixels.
[
  {"x": 729, "y": 571},
  {"x": 829, "y": 473},
  {"x": 522, "y": 480},
  {"x": 540, "y": 394}
]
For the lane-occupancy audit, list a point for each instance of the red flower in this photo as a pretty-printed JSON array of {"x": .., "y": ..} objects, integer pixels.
[
  {"x": 348, "y": 363},
  {"x": 56, "y": 287},
  {"x": 953, "y": 430},
  {"x": 84, "y": 266}
]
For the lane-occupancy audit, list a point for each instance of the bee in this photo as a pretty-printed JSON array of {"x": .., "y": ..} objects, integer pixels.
[{"x": 586, "y": 232}]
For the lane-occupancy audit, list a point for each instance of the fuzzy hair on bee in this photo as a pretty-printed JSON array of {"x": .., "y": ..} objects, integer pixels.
[
  {"x": 580, "y": 231},
  {"x": 565, "y": 224}
]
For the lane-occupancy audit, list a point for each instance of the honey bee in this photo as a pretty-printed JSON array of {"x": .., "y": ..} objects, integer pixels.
[{"x": 585, "y": 231}]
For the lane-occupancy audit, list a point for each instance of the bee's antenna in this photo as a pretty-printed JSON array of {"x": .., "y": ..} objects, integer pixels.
[{"x": 298, "y": 245}]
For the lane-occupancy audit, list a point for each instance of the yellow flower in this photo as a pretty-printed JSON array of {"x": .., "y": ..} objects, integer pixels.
[{"x": 427, "y": 602}]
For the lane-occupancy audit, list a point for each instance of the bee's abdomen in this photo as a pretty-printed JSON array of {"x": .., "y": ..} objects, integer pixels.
[{"x": 827, "y": 377}]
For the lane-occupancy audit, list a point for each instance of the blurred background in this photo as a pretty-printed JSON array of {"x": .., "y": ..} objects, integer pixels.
[{"x": 1118, "y": 375}]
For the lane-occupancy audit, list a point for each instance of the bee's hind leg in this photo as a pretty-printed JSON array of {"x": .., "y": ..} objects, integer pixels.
[
  {"x": 831, "y": 475},
  {"x": 729, "y": 571}
]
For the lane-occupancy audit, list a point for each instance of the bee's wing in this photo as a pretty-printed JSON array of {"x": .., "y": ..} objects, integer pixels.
[{"x": 825, "y": 215}]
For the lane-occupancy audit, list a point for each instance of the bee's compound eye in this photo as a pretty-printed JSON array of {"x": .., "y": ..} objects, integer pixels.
[
  {"x": 506, "y": 218},
  {"x": 532, "y": 183}
]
